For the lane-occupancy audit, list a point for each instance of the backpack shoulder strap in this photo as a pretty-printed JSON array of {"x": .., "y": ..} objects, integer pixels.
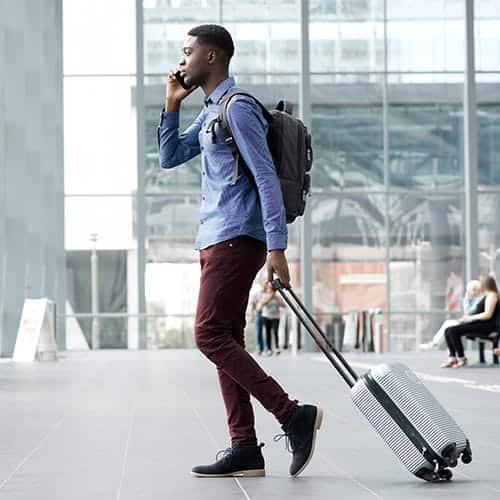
[{"x": 225, "y": 129}]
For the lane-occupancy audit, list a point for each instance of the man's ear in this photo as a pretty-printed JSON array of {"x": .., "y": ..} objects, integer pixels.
[{"x": 211, "y": 56}]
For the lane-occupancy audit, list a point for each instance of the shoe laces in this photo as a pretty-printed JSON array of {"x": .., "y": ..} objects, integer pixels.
[
  {"x": 288, "y": 443},
  {"x": 223, "y": 453},
  {"x": 291, "y": 441}
]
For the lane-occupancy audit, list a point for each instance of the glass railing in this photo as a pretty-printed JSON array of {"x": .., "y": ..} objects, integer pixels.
[{"x": 358, "y": 330}]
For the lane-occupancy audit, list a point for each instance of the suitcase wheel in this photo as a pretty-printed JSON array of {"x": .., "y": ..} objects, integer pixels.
[
  {"x": 467, "y": 454},
  {"x": 445, "y": 475}
]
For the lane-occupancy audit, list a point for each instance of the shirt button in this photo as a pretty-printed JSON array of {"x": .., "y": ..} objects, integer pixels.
[
  {"x": 203, "y": 198},
  {"x": 203, "y": 173},
  {"x": 202, "y": 148}
]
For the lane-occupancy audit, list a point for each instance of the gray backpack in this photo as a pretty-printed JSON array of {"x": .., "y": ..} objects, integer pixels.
[{"x": 290, "y": 145}]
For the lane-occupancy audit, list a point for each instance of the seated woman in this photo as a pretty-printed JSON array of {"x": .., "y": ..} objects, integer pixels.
[
  {"x": 482, "y": 323},
  {"x": 469, "y": 306}
]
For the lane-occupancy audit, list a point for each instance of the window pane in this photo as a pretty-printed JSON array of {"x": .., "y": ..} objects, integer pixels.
[
  {"x": 171, "y": 296},
  {"x": 489, "y": 232},
  {"x": 100, "y": 135},
  {"x": 488, "y": 119},
  {"x": 99, "y": 37},
  {"x": 487, "y": 29},
  {"x": 260, "y": 10},
  {"x": 347, "y": 46},
  {"x": 185, "y": 177},
  {"x": 109, "y": 217},
  {"x": 426, "y": 250},
  {"x": 192, "y": 11},
  {"x": 347, "y": 131},
  {"x": 112, "y": 280},
  {"x": 348, "y": 227},
  {"x": 346, "y": 9},
  {"x": 265, "y": 48},
  {"x": 172, "y": 225},
  {"x": 442, "y": 47},
  {"x": 163, "y": 44},
  {"x": 348, "y": 252},
  {"x": 260, "y": 47},
  {"x": 425, "y": 136},
  {"x": 426, "y": 267}
]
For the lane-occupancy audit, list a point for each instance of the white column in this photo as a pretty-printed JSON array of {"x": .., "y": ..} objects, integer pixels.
[
  {"x": 470, "y": 150},
  {"x": 140, "y": 198},
  {"x": 305, "y": 114}
]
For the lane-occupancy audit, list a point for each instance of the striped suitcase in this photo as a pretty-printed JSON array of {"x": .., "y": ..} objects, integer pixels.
[{"x": 403, "y": 411}]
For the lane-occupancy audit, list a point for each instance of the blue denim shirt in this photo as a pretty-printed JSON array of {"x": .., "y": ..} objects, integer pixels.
[{"x": 230, "y": 206}]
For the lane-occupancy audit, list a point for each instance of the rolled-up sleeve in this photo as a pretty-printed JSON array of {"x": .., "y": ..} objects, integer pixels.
[
  {"x": 249, "y": 130},
  {"x": 175, "y": 149}
]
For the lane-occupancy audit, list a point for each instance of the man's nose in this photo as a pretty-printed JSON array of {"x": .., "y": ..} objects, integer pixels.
[{"x": 182, "y": 61}]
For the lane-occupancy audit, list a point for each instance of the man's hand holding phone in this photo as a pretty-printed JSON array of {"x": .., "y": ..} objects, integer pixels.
[{"x": 176, "y": 91}]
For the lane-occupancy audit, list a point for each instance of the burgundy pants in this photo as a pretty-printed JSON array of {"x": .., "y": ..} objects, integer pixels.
[{"x": 228, "y": 270}]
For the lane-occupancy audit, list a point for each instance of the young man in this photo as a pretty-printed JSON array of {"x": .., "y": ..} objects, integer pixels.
[{"x": 238, "y": 227}]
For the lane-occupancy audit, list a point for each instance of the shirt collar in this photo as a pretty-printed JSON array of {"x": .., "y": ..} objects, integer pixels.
[{"x": 219, "y": 91}]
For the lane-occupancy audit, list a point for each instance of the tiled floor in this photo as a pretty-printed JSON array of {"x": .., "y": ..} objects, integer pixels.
[{"x": 130, "y": 425}]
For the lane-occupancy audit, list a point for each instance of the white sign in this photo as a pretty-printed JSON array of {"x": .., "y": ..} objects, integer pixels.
[{"x": 36, "y": 333}]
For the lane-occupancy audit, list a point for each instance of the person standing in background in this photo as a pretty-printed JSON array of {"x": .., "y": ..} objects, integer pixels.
[
  {"x": 256, "y": 314},
  {"x": 270, "y": 305}
]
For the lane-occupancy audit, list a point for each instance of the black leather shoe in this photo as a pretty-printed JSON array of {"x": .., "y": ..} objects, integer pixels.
[
  {"x": 238, "y": 461},
  {"x": 300, "y": 433}
]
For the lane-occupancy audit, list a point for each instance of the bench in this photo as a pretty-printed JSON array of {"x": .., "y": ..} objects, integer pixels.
[{"x": 494, "y": 338}]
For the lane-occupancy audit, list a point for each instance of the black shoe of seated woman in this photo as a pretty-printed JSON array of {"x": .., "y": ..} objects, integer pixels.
[
  {"x": 300, "y": 434},
  {"x": 237, "y": 461}
]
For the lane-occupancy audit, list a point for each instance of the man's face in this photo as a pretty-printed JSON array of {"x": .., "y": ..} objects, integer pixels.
[{"x": 195, "y": 62}]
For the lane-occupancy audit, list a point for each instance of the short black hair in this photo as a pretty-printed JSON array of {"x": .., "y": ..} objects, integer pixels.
[{"x": 215, "y": 35}]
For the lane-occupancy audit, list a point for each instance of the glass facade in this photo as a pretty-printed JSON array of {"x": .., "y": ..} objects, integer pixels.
[{"x": 387, "y": 207}]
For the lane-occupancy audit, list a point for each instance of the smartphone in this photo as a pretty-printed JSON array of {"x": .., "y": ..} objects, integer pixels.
[{"x": 180, "y": 79}]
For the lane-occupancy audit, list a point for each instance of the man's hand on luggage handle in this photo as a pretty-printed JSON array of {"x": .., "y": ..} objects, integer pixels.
[{"x": 277, "y": 264}]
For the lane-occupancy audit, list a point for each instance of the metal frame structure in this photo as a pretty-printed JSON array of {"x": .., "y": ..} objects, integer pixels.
[{"x": 305, "y": 106}]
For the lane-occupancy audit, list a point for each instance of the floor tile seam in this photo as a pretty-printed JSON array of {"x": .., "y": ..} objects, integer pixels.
[
  {"x": 348, "y": 475},
  {"x": 345, "y": 473},
  {"x": 32, "y": 452},
  {"x": 126, "y": 450},
  {"x": 211, "y": 437},
  {"x": 471, "y": 478}
]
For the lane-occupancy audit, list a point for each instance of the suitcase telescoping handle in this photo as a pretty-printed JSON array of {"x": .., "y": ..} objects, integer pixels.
[{"x": 339, "y": 362}]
